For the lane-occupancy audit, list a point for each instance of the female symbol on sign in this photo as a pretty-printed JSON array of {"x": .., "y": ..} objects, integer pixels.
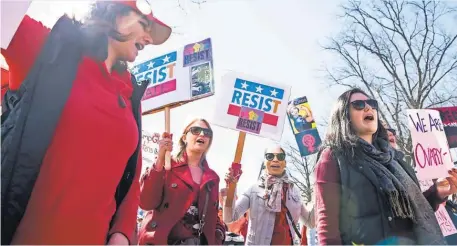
[{"x": 308, "y": 141}]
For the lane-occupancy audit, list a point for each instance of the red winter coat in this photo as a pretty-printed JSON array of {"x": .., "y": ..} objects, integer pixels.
[{"x": 167, "y": 195}]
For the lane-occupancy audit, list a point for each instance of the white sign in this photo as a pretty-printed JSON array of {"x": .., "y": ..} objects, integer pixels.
[
  {"x": 150, "y": 145},
  {"x": 431, "y": 150},
  {"x": 252, "y": 105},
  {"x": 182, "y": 75},
  {"x": 445, "y": 221},
  {"x": 12, "y": 13},
  {"x": 425, "y": 184}
]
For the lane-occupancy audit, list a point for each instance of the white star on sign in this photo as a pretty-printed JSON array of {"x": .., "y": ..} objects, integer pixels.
[
  {"x": 258, "y": 89},
  {"x": 135, "y": 69},
  {"x": 166, "y": 59},
  {"x": 150, "y": 65},
  {"x": 274, "y": 93},
  {"x": 244, "y": 85}
]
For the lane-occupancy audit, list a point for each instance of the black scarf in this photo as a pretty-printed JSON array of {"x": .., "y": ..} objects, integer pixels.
[{"x": 402, "y": 194}]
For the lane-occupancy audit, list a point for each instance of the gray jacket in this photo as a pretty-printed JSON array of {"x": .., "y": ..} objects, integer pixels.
[{"x": 261, "y": 221}]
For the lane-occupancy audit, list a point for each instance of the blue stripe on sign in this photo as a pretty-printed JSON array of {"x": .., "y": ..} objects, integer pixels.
[
  {"x": 154, "y": 63},
  {"x": 265, "y": 90}
]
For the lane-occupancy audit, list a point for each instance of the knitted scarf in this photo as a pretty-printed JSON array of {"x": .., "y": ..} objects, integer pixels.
[{"x": 403, "y": 196}]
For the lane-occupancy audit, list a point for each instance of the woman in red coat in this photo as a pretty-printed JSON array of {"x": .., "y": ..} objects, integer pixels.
[
  {"x": 182, "y": 202},
  {"x": 73, "y": 199}
]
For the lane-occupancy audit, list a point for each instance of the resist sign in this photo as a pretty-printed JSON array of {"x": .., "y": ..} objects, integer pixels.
[
  {"x": 431, "y": 151},
  {"x": 252, "y": 105}
]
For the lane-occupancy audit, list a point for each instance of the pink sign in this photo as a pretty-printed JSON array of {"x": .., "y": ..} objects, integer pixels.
[
  {"x": 445, "y": 222},
  {"x": 425, "y": 184},
  {"x": 431, "y": 150}
]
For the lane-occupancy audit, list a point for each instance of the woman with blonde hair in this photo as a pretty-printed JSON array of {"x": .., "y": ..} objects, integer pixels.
[{"x": 182, "y": 202}]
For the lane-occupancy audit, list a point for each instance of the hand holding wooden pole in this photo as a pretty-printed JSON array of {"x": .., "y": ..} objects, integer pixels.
[
  {"x": 167, "y": 130},
  {"x": 238, "y": 155}
]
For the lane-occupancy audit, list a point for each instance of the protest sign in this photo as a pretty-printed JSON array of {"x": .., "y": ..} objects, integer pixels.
[
  {"x": 431, "y": 151},
  {"x": 445, "y": 222},
  {"x": 303, "y": 126},
  {"x": 449, "y": 118},
  {"x": 150, "y": 145},
  {"x": 425, "y": 184},
  {"x": 183, "y": 75},
  {"x": 252, "y": 105},
  {"x": 12, "y": 13}
]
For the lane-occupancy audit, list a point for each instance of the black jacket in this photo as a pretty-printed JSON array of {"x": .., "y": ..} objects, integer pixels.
[
  {"x": 364, "y": 216},
  {"x": 34, "y": 111}
]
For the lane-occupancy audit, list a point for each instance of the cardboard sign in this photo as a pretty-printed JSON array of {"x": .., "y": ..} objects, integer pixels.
[
  {"x": 182, "y": 75},
  {"x": 449, "y": 118},
  {"x": 252, "y": 105},
  {"x": 12, "y": 13},
  {"x": 150, "y": 145},
  {"x": 445, "y": 221},
  {"x": 303, "y": 126},
  {"x": 431, "y": 151}
]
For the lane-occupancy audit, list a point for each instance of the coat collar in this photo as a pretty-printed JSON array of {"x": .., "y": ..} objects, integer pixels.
[{"x": 181, "y": 169}]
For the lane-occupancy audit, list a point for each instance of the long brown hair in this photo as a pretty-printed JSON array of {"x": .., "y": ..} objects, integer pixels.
[
  {"x": 100, "y": 24},
  {"x": 182, "y": 145}
]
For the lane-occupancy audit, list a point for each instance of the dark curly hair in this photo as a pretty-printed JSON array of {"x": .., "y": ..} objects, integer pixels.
[{"x": 100, "y": 24}]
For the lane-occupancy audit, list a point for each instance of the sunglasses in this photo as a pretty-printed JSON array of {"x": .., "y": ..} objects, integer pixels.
[
  {"x": 392, "y": 131},
  {"x": 279, "y": 156},
  {"x": 196, "y": 130},
  {"x": 361, "y": 104}
]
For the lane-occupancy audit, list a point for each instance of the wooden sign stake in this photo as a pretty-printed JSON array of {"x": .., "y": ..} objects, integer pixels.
[
  {"x": 238, "y": 155},
  {"x": 167, "y": 130}
]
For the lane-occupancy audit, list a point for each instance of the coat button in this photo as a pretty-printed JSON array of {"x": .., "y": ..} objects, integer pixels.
[
  {"x": 165, "y": 205},
  {"x": 174, "y": 185},
  {"x": 360, "y": 167},
  {"x": 153, "y": 224},
  {"x": 389, "y": 218},
  {"x": 380, "y": 188}
]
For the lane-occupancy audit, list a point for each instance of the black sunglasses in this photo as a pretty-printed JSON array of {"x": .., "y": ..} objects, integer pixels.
[
  {"x": 196, "y": 130},
  {"x": 361, "y": 104},
  {"x": 271, "y": 156},
  {"x": 392, "y": 131}
]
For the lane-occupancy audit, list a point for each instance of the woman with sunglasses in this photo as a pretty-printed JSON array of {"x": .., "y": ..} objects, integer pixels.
[
  {"x": 274, "y": 203},
  {"x": 391, "y": 135},
  {"x": 365, "y": 193},
  {"x": 71, "y": 135},
  {"x": 182, "y": 203}
]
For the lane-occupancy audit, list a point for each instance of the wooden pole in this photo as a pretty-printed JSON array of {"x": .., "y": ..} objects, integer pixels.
[
  {"x": 238, "y": 155},
  {"x": 167, "y": 130}
]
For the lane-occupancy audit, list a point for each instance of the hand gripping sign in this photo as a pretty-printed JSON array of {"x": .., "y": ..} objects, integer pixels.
[
  {"x": 250, "y": 105},
  {"x": 431, "y": 150},
  {"x": 175, "y": 78}
]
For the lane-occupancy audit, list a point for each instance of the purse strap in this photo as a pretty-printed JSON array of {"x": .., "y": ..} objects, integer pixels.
[
  {"x": 291, "y": 220},
  {"x": 205, "y": 208}
]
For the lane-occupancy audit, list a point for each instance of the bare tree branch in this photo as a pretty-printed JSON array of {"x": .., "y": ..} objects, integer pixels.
[
  {"x": 301, "y": 170},
  {"x": 400, "y": 53}
]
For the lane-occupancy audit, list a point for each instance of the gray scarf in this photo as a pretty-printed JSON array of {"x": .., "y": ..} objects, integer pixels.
[
  {"x": 402, "y": 194},
  {"x": 273, "y": 190}
]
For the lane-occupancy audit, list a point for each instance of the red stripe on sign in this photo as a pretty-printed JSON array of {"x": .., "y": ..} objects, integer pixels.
[
  {"x": 159, "y": 89},
  {"x": 270, "y": 119},
  {"x": 234, "y": 110}
]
